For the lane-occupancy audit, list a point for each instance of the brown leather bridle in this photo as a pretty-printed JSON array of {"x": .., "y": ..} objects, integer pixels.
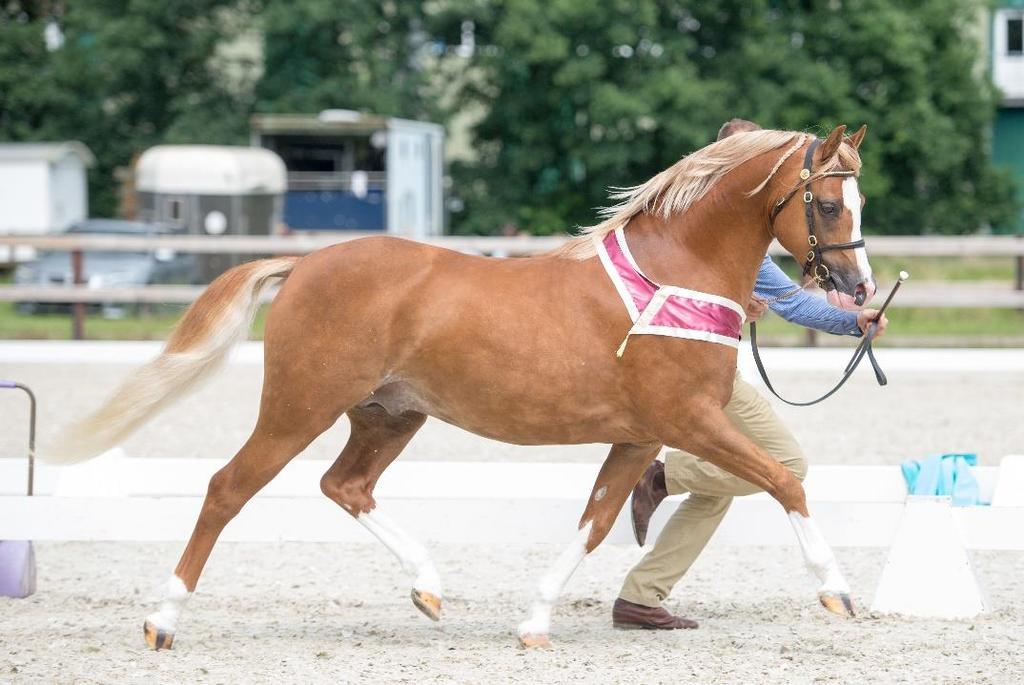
[
  {"x": 817, "y": 269},
  {"x": 814, "y": 265}
]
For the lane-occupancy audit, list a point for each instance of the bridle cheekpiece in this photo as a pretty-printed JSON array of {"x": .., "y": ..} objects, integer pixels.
[{"x": 814, "y": 265}]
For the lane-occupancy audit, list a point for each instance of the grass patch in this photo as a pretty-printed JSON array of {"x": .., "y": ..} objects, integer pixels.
[
  {"x": 919, "y": 321},
  {"x": 154, "y": 324},
  {"x": 157, "y": 325},
  {"x": 887, "y": 269}
]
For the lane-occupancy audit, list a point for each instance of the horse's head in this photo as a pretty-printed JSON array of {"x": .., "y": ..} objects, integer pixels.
[{"x": 817, "y": 218}]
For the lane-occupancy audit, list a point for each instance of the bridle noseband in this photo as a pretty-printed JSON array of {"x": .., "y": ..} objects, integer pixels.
[{"x": 814, "y": 265}]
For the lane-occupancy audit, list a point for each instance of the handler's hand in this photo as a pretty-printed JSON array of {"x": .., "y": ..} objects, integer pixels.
[
  {"x": 867, "y": 317},
  {"x": 755, "y": 309}
]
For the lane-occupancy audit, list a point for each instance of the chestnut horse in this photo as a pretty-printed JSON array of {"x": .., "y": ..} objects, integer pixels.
[{"x": 390, "y": 331}]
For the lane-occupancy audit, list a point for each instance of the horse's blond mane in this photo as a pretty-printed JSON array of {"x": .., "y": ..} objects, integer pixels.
[{"x": 679, "y": 187}]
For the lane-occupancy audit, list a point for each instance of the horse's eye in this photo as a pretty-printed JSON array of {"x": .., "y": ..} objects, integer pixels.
[{"x": 828, "y": 208}]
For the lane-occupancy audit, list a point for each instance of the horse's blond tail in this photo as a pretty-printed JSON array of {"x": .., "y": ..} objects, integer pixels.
[{"x": 200, "y": 343}]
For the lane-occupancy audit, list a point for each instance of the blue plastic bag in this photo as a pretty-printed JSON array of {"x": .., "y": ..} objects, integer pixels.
[{"x": 948, "y": 474}]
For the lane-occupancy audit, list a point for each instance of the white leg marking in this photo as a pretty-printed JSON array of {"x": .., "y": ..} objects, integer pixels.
[
  {"x": 553, "y": 582},
  {"x": 851, "y": 199},
  {"x": 818, "y": 555},
  {"x": 175, "y": 594},
  {"x": 411, "y": 554}
]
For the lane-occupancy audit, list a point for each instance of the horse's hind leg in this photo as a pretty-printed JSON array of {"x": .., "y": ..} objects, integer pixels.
[
  {"x": 376, "y": 440},
  {"x": 278, "y": 437},
  {"x": 620, "y": 472}
]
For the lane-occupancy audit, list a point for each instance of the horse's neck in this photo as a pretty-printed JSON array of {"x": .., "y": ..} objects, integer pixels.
[{"x": 715, "y": 247}]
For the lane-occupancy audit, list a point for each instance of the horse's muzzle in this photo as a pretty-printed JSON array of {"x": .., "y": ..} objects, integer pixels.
[{"x": 864, "y": 291}]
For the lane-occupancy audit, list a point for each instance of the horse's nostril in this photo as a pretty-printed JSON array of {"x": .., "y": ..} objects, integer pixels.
[{"x": 860, "y": 293}]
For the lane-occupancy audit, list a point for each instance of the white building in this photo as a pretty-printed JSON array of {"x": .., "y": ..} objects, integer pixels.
[
  {"x": 43, "y": 186},
  {"x": 1008, "y": 52}
]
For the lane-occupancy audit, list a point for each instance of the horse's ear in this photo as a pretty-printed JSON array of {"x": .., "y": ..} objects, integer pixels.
[
  {"x": 857, "y": 138},
  {"x": 831, "y": 145}
]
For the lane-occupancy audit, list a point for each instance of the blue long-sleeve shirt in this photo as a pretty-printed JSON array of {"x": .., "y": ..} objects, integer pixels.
[{"x": 801, "y": 308}]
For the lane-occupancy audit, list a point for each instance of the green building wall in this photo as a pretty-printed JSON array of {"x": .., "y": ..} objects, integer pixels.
[{"x": 1008, "y": 149}]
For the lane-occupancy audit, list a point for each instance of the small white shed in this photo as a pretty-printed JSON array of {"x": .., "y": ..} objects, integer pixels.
[{"x": 43, "y": 186}]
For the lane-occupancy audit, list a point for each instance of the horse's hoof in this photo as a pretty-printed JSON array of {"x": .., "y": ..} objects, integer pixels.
[
  {"x": 156, "y": 638},
  {"x": 534, "y": 641},
  {"x": 840, "y": 604},
  {"x": 429, "y": 604}
]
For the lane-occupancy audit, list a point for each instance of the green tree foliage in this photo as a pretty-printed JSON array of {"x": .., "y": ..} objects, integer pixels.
[
  {"x": 571, "y": 96},
  {"x": 581, "y": 95},
  {"x": 913, "y": 71},
  {"x": 130, "y": 74},
  {"x": 350, "y": 54},
  {"x": 578, "y": 96}
]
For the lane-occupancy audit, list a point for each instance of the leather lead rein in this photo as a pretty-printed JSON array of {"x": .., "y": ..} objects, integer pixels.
[{"x": 863, "y": 349}]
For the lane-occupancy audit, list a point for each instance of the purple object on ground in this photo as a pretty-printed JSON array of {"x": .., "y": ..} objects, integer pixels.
[
  {"x": 17, "y": 568},
  {"x": 8, "y": 384}
]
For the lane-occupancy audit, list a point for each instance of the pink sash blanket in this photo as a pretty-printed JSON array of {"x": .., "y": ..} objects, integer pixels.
[{"x": 666, "y": 309}]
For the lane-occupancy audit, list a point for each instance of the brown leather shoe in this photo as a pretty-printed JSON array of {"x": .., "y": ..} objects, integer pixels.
[
  {"x": 630, "y": 616},
  {"x": 647, "y": 495}
]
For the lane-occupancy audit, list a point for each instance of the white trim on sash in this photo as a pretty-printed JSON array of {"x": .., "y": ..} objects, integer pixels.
[
  {"x": 687, "y": 333},
  {"x": 620, "y": 236},
  {"x": 617, "y": 281}
]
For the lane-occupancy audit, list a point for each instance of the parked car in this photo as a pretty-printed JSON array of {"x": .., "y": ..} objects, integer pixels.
[{"x": 109, "y": 269}]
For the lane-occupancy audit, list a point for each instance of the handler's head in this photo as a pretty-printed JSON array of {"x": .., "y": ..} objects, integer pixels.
[{"x": 736, "y": 126}]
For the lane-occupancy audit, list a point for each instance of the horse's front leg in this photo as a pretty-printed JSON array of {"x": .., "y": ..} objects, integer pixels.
[
  {"x": 622, "y": 469},
  {"x": 710, "y": 434}
]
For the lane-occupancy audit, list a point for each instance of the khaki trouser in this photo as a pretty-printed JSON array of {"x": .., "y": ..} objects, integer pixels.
[{"x": 711, "y": 491}]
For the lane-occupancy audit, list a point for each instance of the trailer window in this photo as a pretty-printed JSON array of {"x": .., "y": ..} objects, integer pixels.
[
  {"x": 1015, "y": 36},
  {"x": 174, "y": 209}
]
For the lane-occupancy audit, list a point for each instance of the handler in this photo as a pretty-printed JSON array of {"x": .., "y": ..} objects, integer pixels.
[{"x": 711, "y": 489}]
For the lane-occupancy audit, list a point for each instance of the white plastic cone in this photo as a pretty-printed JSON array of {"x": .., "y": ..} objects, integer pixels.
[{"x": 928, "y": 573}]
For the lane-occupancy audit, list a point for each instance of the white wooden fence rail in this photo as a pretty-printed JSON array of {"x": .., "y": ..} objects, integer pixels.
[
  {"x": 79, "y": 294},
  {"x": 915, "y": 293},
  {"x": 114, "y": 498},
  {"x": 883, "y": 246}
]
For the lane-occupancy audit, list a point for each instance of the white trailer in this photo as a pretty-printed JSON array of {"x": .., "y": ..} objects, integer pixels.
[{"x": 349, "y": 171}]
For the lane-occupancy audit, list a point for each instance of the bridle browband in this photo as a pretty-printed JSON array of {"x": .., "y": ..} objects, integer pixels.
[{"x": 814, "y": 265}]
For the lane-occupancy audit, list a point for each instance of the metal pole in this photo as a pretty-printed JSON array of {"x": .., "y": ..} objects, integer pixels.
[
  {"x": 77, "y": 308},
  {"x": 31, "y": 430}
]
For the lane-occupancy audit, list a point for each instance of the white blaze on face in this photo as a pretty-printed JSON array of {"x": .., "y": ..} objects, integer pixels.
[{"x": 851, "y": 199}]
